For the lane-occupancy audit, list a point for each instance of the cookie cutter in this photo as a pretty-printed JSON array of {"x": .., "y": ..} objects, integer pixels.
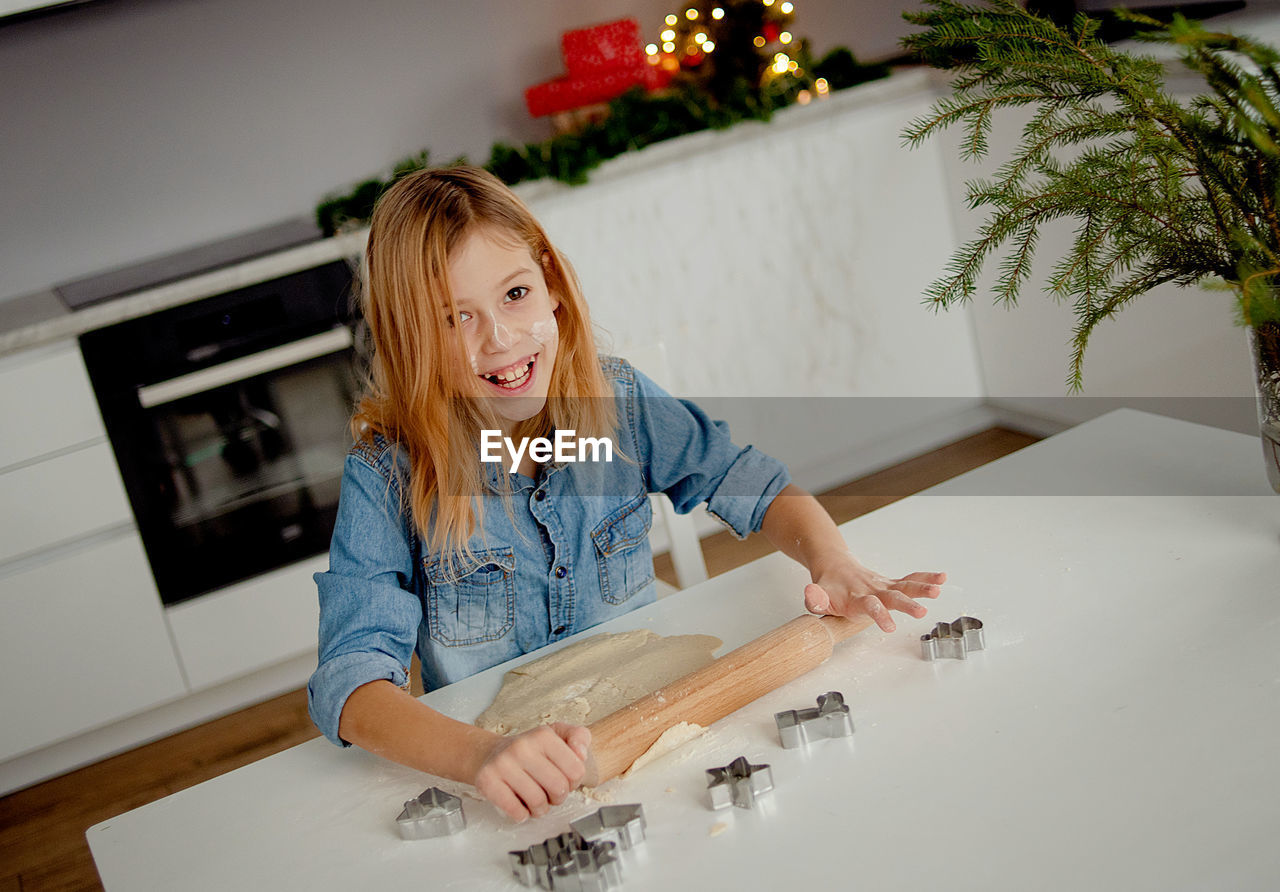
[
  {"x": 797, "y": 727},
  {"x": 738, "y": 783},
  {"x": 433, "y": 813},
  {"x": 622, "y": 825},
  {"x": 568, "y": 863},
  {"x": 954, "y": 640}
]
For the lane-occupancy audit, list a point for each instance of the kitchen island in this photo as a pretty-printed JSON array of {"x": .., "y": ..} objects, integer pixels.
[{"x": 1117, "y": 731}]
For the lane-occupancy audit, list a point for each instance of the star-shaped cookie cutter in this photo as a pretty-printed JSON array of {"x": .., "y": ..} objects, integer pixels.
[
  {"x": 433, "y": 813},
  {"x": 622, "y": 825},
  {"x": 568, "y": 863},
  {"x": 738, "y": 783},
  {"x": 954, "y": 640},
  {"x": 797, "y": 727}
]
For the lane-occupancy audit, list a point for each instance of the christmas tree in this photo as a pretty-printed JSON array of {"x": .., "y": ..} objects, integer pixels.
[{"x": 736, "y": 47}]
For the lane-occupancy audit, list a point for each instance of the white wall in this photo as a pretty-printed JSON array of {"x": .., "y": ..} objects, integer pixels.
[
  {"x": 782, "y": 266},
  {"x": 134, "y": 128}
]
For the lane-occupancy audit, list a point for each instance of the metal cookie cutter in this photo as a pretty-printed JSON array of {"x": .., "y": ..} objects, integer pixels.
[
  {"x": 433, "y": 813},
  {"x": 622, "y": 825},
  {"x": 953, "y": 640},
  {"x": 568, "y": 863},
  {"x": 738, "y": 783},
  {"x": 797, "y": 727}
]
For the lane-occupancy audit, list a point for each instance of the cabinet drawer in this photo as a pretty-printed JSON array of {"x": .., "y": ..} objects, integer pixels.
[
  {"x": 248, "y": 626},
  {"x": 83, "y": 642},
  {"x": 60, "y": 500},
  {"x": 46, "y": 402}
]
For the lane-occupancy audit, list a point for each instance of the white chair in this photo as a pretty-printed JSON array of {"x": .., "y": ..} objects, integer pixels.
[{"x": 681, "y": 533}]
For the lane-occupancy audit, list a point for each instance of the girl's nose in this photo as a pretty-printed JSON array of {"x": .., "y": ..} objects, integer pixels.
[{"x": 496, "y": 337}]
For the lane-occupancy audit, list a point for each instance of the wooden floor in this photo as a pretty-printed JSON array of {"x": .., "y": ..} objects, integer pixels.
[{"x": 42, "y": 843}]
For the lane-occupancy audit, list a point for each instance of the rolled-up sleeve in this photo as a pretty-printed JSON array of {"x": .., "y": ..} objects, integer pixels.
[
  {"x": 369, "y": 614},
  {"x": 692, "y": 459}
]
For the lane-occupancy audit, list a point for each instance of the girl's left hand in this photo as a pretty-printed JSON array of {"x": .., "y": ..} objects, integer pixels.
[{"x": 844, "y": 587}]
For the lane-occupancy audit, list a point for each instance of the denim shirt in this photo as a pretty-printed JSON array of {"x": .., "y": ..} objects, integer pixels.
[{"x": 569, "y": 551}]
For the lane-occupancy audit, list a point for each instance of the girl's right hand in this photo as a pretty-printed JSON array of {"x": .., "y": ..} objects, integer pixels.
[{"x": 523, "y": 775}]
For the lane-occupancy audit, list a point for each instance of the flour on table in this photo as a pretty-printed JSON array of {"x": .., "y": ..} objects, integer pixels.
[
  {"x": 586, "y": 681},
  {"x": 675, "y": 736}
]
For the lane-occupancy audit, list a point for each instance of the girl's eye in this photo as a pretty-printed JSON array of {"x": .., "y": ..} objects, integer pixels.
[
  {"x": 517, "y": 293},
  {"x": 462, "y": 318}
]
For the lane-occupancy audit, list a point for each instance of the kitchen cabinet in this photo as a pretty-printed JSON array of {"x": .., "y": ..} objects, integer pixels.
[
  {"x": 83, "y": 640},
  {"x": 47, "y": 404},
  {"x": 248, "y": 626},
  {"x": 61, "y": 499},
  {"x": 82, "y": 643}
]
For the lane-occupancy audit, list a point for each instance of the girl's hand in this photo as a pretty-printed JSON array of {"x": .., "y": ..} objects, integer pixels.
[
  {"x": 521, "y": 775},
  {"x": 843, "y": 587}
]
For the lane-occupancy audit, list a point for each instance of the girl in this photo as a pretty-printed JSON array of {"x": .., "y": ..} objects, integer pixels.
[{"x": 479, "y": 326}]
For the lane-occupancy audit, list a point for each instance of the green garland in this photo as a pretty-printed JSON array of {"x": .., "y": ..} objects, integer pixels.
[{"x": 636, "y": 119}]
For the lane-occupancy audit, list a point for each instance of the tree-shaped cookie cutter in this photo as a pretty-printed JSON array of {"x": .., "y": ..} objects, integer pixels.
[
  {"x": 797, "y": 727},
  {"x": 433, "y": 813},
  {"x": 954, "y": 640}
]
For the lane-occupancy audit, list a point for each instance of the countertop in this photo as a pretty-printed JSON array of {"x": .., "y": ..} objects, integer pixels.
[{"x": 1118, "y": 730}]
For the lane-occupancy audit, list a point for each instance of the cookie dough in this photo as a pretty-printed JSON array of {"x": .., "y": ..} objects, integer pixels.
[
  {"x": 589, "y": 680},
  {"x": 674, "y": 737}
]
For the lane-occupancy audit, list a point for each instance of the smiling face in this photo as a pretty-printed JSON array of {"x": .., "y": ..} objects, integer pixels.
[{"x": 507, "y": 317}]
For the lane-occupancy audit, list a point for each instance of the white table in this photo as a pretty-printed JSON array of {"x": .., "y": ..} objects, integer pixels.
[{"x": 1119, "y": 731}]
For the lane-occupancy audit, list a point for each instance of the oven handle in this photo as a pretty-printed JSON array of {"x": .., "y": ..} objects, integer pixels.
[{"x": 245, "y": 367}]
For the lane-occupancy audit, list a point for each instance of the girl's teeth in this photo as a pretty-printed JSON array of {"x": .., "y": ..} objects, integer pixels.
[{"x": 508, "y": 377}]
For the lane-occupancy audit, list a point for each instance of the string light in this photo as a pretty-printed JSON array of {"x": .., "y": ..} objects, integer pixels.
[
  {"x": 822, "y": 86},
  {"x": 689, "y": 35}
]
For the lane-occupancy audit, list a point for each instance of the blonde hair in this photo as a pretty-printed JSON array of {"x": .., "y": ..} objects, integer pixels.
[{"x": 420, "y": 395}]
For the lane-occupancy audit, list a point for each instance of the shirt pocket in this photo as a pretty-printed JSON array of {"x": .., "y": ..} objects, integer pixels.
[
  {"x": 471, "y": 601},
  {"x": 622, "y": 554}
]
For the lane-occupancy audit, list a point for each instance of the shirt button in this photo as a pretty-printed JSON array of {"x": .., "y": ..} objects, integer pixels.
[
  {"x": 561, "y": 572},
  {"x": 540, "y": 495},
  {"x": 559, "y": 630}
]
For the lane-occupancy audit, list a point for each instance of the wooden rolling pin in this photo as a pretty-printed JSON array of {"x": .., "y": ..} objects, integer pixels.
[{"x": 715, "y": 690}]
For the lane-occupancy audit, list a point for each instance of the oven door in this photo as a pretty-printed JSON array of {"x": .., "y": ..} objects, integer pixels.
[
  {"x": 229, "y": 418},
  {"x": 242, "y": 463}
]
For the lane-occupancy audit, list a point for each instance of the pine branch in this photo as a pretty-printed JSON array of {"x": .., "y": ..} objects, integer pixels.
[{"x": 1163, "y": 191}]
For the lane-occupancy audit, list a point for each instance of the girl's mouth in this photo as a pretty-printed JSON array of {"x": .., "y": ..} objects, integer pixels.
[{"x": 514, "y": 378}]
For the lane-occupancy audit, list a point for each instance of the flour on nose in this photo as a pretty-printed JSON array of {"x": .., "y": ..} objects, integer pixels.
[{"x": 502, "y": 335}]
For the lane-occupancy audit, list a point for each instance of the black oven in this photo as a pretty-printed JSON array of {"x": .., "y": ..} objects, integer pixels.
[{"x": 228, "y": 417}]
